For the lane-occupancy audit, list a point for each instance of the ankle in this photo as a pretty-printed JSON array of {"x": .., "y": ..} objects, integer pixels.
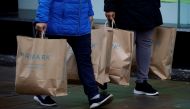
[{"x": 140, "y": 81}]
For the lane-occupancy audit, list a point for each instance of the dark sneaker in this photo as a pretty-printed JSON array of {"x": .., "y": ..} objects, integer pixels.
[
  {"x": 101, "y": 101},
  {"x": 47, "y": 101},
  {"x": 145, "y": 88}
]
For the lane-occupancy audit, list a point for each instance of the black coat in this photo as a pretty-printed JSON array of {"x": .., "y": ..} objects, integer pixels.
[{"x": 137, "y": 15}]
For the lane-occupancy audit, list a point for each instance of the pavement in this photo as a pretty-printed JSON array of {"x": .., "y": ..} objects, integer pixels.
[{"x": 174, "y": 94}]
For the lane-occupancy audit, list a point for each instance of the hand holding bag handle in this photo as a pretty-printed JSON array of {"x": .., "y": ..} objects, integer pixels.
[{"x": 39, "y": 30}]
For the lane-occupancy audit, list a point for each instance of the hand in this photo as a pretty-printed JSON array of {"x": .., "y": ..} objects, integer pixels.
[
  {"x": 91, "y": 21},
  {"x": 41, "y": 27},
  {"x": 110, "y": 15},
  {"x": 91, "y": 18}
]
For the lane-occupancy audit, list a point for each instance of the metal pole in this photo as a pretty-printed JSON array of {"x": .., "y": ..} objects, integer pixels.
[{"x": 178, "y": 13}]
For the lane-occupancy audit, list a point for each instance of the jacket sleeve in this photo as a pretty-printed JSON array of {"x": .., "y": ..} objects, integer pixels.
[
  {"x": 42, "y": 12},
  {"x": 109, "y": 5},
  {"x": 91, "y": 12}
]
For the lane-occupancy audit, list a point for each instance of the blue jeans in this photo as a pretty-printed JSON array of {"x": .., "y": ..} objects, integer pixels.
[{"x": 81, "y": 46}]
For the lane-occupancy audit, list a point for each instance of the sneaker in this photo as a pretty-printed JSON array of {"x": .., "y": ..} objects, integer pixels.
[
  {"x": 145, "y": 88},
  {"x": 101, "y": 101},
  {"x": 47, "y": 101}
]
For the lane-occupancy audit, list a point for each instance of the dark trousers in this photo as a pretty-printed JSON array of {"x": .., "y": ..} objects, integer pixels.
[
  {"x": 81, "y": 46},
  {"x": 143, "y": 42}
]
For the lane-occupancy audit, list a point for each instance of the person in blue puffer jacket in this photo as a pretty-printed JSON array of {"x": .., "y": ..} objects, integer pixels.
[{"x": 71, "y": 19}]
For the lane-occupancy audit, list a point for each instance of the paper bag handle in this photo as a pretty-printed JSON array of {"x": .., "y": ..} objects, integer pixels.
[
  {"x": 112, "y": 23},
  {"x": 39, "y": 34}
]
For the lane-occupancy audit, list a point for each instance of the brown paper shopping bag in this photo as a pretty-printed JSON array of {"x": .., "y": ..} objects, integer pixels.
[
  {"x": 40, "y": 66},
  {"x": 101, "y": 44},
  {"x": 162, "y": 52},
  {"x": 121, "y": 56},
  {"x": 101, "y": 53}
]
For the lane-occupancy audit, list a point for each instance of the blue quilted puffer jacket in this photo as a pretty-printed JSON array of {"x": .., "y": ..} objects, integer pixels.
[{"x": 65, "y": 17}]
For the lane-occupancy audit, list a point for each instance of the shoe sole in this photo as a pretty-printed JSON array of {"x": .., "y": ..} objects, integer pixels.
[
  {"x": 107, "y": 100},
  {"x": 144, "y": 93},
  {"x": 49, "y": 105}
]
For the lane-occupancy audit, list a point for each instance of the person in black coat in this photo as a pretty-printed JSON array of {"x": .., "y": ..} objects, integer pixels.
[{"x": 140, "y": 16}]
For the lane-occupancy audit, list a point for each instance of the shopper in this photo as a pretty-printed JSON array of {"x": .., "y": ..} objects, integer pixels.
[
  {"x": 70, "y": 19},
  {"x": 140, "y": 16}
]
